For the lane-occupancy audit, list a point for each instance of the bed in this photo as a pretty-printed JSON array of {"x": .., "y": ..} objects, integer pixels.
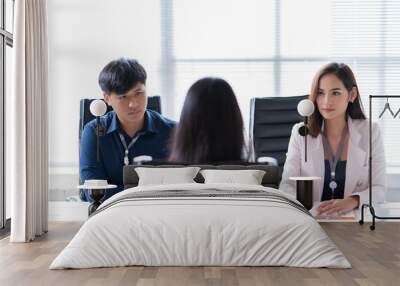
[{"x": 200, "y": 224}]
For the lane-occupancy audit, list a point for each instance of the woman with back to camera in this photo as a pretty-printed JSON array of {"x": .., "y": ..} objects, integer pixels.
[
  {"x": 210, "y": 128},
  {"x": 338, "y": 145}
]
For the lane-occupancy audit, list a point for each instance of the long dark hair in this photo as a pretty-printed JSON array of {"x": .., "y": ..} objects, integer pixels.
[
  {"x": 210, "y": 129},
  {"x": 346, "y": 76}
]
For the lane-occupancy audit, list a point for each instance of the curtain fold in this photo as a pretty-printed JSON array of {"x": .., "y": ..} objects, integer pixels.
[{"x": 29, "y": 121}]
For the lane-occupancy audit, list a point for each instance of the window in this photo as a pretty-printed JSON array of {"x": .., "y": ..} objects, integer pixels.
[
  {"x": 263, "y": 48},
  {"x": 268, "y": 48},
  {"x": 366, "y": 34},
  {"x": 260, "y": 47},
  {"x": 6, "y": 43},
  {"x": 9, "y": 15}
]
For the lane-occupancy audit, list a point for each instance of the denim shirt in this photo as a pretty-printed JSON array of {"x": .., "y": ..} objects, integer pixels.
[{"x": 152, "y": 140}]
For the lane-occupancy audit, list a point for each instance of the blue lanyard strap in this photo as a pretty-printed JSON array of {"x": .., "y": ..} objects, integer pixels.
[
  {"x": 333, "y": 159},
  {"x": 126, "y": 147}
]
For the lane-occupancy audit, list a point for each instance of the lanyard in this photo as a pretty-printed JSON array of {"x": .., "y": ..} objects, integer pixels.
[
  {"x": 333, "y": 160},
  {"x": 126, "y": 159}
]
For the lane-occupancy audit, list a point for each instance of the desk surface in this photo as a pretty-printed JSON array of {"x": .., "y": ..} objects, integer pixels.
[{"x": 382, "y": 210}]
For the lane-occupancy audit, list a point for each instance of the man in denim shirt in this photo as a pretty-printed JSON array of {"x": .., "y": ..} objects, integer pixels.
[{"x": 130, "y": 129}]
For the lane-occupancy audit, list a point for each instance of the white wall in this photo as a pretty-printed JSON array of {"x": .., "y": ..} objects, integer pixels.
[{"x": 83, "y": 37}]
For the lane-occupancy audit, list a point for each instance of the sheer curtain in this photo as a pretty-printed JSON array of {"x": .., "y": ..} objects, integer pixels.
[{"x": 28, "y": 116}]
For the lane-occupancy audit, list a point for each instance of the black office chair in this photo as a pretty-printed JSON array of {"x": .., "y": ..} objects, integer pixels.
[
  {"x": 271, "y": 123},
  {"x": 153, "y": 103}
]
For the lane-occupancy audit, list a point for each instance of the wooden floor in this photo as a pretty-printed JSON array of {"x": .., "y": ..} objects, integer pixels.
[{"x": 374, "y": 255}]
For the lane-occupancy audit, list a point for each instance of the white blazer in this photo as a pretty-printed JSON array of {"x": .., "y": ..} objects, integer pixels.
[{"x": 356, "y": 167}]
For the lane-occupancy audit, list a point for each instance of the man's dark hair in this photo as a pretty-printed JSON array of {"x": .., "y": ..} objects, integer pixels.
[{"x": 121, "y": 75}]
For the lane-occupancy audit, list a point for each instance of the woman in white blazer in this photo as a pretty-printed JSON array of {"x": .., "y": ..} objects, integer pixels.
[{"x": 338, "y": 116}]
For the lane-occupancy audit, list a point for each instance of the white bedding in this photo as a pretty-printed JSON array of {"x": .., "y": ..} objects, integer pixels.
[{"x": 184, "y": 231}]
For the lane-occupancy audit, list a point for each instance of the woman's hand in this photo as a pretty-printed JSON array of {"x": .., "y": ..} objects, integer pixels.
[{"x": 345, "y": 204}]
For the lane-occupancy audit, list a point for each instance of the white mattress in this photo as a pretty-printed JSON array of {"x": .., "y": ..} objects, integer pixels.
[{"x": 185, "y": 231}]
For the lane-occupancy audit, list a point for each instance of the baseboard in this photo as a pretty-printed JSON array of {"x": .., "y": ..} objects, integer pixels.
[{"x": 68, "y": 211}]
